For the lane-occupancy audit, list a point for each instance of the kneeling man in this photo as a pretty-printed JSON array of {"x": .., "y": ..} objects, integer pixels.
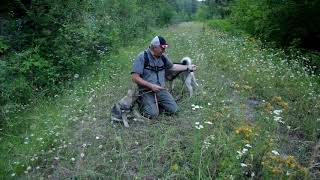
[{"x": 148, "y": 72}]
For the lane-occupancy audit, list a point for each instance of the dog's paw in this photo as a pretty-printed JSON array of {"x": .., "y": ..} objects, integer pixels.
[
  {"x": 138, "y": 119},
  {"x": 126, "y": 124}
]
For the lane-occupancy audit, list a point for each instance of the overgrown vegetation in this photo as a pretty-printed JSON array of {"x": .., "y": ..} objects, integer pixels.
[
  {"x": 290, "y": 23},
  {"x": 44, "y": 44},
  {"x": 287, "y": 23},
  {"x": 245, "y": 121},
  {"x": 64, "y": 63}
]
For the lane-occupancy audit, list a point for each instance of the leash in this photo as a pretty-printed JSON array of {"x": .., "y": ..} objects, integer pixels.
[{"x": 155, "y": 98}]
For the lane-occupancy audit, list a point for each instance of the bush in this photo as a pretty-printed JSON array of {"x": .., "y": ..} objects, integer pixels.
[
  {"x": 289, "y": 23},
  {"x": 44, "y": 43},
  {"x": 220, "y": 24}
]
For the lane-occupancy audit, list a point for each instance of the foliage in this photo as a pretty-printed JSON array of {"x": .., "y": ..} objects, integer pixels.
[
  {"x": 220, "y": 24},
  {"x": 287, "y": 23},
  {"x": 44, "y": 44},
  {"x": 253, "y": 117},
  {"x": 184, "y": 9},
  {"x": 213, "y": 9},
  {"x": 202, "y": 13}
]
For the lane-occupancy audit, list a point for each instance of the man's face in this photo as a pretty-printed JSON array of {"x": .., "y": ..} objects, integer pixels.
[{"x": 158, "y": 51}]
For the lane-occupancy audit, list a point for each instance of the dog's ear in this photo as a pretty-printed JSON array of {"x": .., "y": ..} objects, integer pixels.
[
  {"x": 132, "y": 85},
  {"x": 184, "y": 63},
  {"x": 130, "y": 92}
]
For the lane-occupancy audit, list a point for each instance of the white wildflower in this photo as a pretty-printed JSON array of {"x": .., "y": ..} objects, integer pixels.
[
  {"x": 76, "y": 76},
  {"x": 209, "y": 104},
  {"x": 248, "y": 145},
  {"x": 100, "y": 146},
  {"x": 275, "y": 152},
  {"x": 244, "y": 150},
  {"x": 73, "y": 159},
  {"x": 13, "y": 174},
  {"x": 240, "y": 153},
  {"x": 82, "y": 155},
  {"x": 243, "y": 165},
  {"x": 208, "y": 122},
  {"x": 277, "y": 118},
  {"x": 198, "y": 125},
  {"x": 97, "y": 137},
  {"x": 277, "y": 112}
]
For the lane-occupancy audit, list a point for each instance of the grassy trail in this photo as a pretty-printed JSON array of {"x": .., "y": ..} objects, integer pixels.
[{"x": 224, "y": 131}]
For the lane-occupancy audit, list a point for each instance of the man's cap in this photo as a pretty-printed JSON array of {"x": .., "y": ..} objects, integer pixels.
[{"x": 159, "y": 41}]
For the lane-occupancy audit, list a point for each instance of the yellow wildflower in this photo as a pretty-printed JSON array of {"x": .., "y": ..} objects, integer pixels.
[
  {"x": 242, "y": 106},
  {"x": 283, "y": 104},
  {"x": 267, "y": 106},
  {"x": 246, "y": 131},
  {"x": 276, "y": 170},
  {"x": 246, "y": 87},
  {"x": 276, "y": 99},
  {"x": 175, "y": 167}
]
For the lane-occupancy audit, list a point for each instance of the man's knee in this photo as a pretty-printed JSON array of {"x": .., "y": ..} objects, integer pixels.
[
  {"x": 173, "y": 109},
  {"x": 151, "y": 113}
]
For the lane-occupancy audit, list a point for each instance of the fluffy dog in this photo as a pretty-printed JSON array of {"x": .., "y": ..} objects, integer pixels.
[
  {"x": 187, "y": 77},
  {"x": 120, "y": 111}
]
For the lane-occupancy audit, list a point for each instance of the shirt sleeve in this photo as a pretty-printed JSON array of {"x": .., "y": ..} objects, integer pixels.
[
  {"x": 138, "y": 65},
  {"x": 169, "y": 63}
]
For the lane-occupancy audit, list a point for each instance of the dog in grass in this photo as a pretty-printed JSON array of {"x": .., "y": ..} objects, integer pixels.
[
  {"x": 187, "y": 77},
  {"x": 124, "y": 108}
]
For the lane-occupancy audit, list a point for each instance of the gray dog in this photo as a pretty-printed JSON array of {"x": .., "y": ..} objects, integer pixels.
[
  {"x": 121, "y": 110},
  {"x": 187, "y": 77}
]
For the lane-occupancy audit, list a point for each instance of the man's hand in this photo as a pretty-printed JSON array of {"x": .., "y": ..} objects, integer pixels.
[
  {"x": 155, "y": 87},
  {"x": 192, "y": 67}
]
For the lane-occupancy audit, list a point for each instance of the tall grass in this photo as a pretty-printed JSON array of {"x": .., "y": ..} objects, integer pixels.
[{"x": 250, "y": 104}]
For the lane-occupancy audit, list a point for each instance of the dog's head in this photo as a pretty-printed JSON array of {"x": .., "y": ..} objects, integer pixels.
[{"x": 186, "y": 61}]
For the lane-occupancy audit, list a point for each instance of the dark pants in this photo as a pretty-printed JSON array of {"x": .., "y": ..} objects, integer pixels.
[{"x": 149, "y": 105}]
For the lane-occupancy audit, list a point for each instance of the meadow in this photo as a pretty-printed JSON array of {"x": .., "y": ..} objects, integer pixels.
[{"x": 254, "y": 116}]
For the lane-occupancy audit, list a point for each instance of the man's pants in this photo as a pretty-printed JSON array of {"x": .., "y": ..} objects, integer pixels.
[{"x": 164, "y": 99}]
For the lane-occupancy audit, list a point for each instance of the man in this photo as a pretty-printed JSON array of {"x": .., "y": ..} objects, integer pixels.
[{"x": 149, "y": 73}]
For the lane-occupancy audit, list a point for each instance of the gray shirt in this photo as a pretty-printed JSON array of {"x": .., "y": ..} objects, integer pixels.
[{"x": 149, "y": 75}]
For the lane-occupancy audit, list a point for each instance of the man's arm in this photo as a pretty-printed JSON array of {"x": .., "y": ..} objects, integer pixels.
[
  {"x": 137, "y": 79},
  {"x": 180, "y": 67}
]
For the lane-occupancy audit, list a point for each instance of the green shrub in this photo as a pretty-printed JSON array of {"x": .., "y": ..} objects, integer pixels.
[
  {"x": 289, "y": 23},
  {"x": 43, "y": 44},
  {"x": 220, "y": 24}
]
